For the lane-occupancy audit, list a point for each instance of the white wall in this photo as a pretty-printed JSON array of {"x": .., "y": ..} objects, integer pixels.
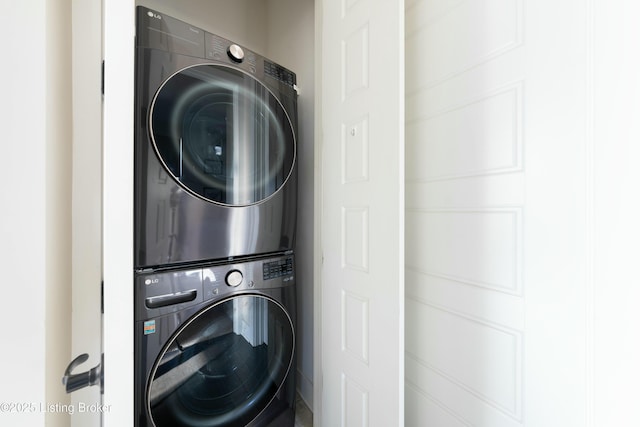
[
  {"x": 35, "y": 226},
  {"x": 614, "y": 155}
]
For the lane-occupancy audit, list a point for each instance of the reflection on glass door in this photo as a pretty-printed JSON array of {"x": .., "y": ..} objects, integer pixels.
[
  {"x": 225, "y": 366},
  {"x": 222, "y": 135}
]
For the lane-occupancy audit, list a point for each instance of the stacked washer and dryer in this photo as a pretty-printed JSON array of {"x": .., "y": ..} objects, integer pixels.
[{"x": 215, "y": 217}]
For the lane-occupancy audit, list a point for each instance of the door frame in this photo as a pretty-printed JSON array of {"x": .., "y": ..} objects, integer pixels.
[{"x": 117, "y": 192}]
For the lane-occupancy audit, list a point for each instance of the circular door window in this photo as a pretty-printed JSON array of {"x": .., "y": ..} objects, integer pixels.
[
  {"x": 222, "y": 135},
  {"x": 224, "y": 367}
]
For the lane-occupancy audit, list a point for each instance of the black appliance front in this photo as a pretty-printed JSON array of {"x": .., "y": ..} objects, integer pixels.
[
  {"x": 215, "y": 346},
  {"x": 215, "y": 147}
]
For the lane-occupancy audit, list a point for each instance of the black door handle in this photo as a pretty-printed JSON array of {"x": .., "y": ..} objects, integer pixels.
[
  {"x": 94, "y": 376},
  {"x": 170, "y": 299}
]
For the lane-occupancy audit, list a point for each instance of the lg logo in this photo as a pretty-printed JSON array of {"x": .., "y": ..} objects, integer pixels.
[
  {"x": 151, "y": 281},
  {"x": 154, "y": 15}
]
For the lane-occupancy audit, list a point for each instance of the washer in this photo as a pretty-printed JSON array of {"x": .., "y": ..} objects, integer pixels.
[
  {"x": 215, "y": 147},
  {"x": 216, "y": 345}
]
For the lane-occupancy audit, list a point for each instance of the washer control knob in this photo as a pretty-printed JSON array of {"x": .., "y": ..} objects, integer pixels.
[
  {"x": 236, "y": 53},
  {"x": 234, "y": 278}
]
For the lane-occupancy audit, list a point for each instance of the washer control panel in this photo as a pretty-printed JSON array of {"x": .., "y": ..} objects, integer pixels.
[
  {"x": 279, "y": 268},
  {"x": 167, "y": 291}
]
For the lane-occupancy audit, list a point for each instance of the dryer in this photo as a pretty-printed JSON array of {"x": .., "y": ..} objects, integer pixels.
[
  {"x": 215, "y": 147},
  {"x": 216, "y": 345}
]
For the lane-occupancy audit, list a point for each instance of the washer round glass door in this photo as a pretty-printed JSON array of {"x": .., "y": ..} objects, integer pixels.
[
  {"x": 222, "y": 135},
  {"x": 223, "y": 367}
]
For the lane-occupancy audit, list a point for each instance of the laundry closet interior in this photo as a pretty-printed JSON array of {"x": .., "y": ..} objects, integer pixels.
[
  {"x": 282, "y": 32},
  {"x": 285, "y": 32}
]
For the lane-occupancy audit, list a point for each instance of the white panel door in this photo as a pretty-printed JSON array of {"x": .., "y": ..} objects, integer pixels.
[
  {"x": 362, "y": 213},
  {"x": 499, "y": 213}
]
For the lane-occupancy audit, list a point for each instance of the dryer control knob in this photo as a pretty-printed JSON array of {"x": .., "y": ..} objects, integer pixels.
[
  {"x": 236, "y": 53},
  {"x": 234, "y": 278}
]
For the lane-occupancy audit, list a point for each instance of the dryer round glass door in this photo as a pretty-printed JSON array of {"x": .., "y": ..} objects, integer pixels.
[
  {"x": 222, "y": 135},
  {"x": 224, "y": 366}
]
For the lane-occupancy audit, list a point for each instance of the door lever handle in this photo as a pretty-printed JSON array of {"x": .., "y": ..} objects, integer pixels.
[{"x": 94, "y": 376}]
